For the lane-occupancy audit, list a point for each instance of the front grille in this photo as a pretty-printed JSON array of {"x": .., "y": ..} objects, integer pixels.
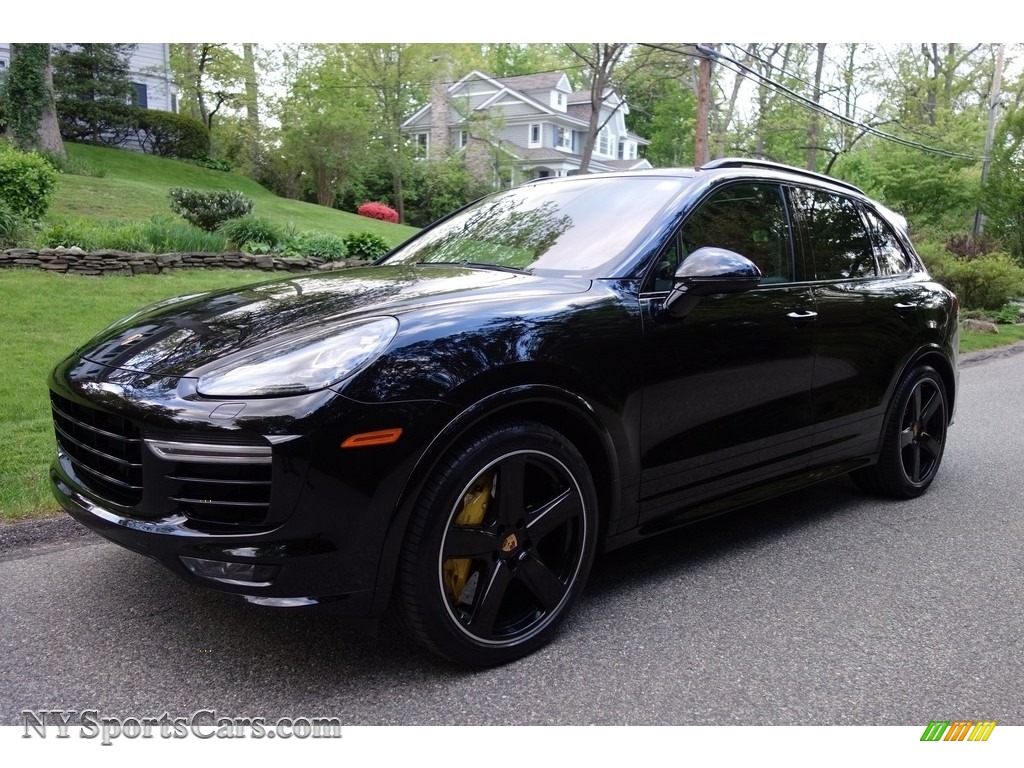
[
  {"x": 225, "y": 493},
  {"x": 104, "y": 449}
]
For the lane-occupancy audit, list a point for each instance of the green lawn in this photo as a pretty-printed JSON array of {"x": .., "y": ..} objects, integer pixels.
[
  {"x": 135, "y": 187},
  {"x": 45, "y": 316},
  {"x": 1008, "y": 334}
]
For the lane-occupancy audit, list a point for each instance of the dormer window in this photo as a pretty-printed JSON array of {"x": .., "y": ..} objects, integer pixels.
[
  {"x": 558, "y": 100},
  {"x": 604, "y": 142}
]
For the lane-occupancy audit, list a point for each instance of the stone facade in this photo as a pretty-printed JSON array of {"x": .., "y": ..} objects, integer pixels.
[{"x": 74, "y": 261}]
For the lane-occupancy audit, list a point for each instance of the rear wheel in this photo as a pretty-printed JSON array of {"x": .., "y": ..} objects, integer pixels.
[
  {"x": 914, "y": 438},
  {"x": 499, "y": 546}
]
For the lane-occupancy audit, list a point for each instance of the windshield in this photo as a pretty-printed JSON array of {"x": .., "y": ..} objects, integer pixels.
[{"x": 572, "y": 227}]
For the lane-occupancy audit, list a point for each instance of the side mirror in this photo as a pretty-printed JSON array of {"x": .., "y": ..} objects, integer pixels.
[{"x": 709, "y": 270}]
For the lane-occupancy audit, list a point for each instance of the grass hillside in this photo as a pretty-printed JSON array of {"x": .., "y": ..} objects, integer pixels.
[{"x": 132, "y": 186}]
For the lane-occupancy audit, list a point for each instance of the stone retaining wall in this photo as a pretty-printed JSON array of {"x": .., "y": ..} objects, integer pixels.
[{"x": 75, "y": 261}]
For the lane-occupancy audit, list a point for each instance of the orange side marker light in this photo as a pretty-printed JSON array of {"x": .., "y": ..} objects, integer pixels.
[{"x": 379, "y": 437}]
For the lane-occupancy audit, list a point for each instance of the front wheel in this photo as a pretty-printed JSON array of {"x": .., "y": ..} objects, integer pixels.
[
  {"x": 914, "y": 438},
  {"x": 499, "y": 545}
]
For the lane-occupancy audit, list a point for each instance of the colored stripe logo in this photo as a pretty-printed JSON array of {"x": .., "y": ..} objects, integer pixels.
[{"x": 958, "y": 730}]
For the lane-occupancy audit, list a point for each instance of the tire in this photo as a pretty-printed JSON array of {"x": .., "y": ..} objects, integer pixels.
[
  {"x": 499, "y": 545},
  {"x": 914, "y": 438}
]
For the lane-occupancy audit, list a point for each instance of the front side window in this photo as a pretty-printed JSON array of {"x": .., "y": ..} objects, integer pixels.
[
  {"x": 749, "y": 219},
  {"x": 836, "y": 235}
]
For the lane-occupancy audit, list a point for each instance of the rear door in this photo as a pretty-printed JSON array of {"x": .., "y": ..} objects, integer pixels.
[{"x": 869, "y": 314}]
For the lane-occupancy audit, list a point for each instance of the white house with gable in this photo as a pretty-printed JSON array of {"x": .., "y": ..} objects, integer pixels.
[{"x": 536, "y": 125}]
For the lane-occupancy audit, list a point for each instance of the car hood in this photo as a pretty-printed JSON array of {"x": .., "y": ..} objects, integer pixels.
[{"x": 175, "y": 337}]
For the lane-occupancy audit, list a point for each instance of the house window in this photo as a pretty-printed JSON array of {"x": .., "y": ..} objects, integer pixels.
[
  {"x": 563, "y": 138},
  {"x": 141, "y": 95},
  {"x": 535, "y": 135},
  {"x": 604, "y": 142},
  {"x": 174, "y": 102},
  {"x": 420, "y": 144},
  {"x": 463, "y": 139}
]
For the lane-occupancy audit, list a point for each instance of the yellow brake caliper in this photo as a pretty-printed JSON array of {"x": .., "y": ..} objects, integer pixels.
[{"x": 474, "y": 509}]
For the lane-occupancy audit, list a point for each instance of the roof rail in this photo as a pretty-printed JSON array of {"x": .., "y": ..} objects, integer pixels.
[{"x": 742, "y": 162}]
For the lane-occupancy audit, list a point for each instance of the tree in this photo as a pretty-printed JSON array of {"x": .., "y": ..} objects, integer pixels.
[
  {"x": 93, "y": 72},
  {"x": 209, "y": 75},
  {"x": 97, "y": 73},
  {"x": 604, "y": 72},
  {"x": 28, "y": 101},
  {"x": 1003, "y": 195}
]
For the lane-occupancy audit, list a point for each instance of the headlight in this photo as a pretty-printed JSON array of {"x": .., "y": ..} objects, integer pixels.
[{"x": 305, "y": 364}]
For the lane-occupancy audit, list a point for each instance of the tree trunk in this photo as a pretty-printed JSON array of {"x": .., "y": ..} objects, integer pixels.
[
  {"x": 812, "y": 125},
  {"x": 252, "y": 98},
  {"x": 47, "y": 134},
  {"x": 700, "y": 148}
]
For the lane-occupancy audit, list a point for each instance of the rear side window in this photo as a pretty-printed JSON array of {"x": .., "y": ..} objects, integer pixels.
[
  {"x": 892, "y": 259},
  {"x": 836, "y": 234}
]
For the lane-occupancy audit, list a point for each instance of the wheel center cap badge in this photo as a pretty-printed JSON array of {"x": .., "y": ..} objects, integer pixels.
[{"x": 509, "y": 543}]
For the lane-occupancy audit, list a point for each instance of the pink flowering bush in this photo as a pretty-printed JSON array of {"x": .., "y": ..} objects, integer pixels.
[{"x": 380, "y": 211}]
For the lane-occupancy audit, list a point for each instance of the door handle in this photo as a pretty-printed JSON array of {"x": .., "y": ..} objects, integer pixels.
[{"x": 802, "y": 316}]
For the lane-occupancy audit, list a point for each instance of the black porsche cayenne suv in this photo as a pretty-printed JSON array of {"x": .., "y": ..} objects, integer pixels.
[{"x": 560, "y": 368}]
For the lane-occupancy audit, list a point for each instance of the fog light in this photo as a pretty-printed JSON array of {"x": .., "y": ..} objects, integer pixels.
[{"x": 246, "y": 574}]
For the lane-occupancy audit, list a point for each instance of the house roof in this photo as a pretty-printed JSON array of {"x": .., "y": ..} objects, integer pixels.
[{"x": 538, "y": 82}]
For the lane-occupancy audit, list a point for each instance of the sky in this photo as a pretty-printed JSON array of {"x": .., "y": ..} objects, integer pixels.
[{"x": 877, "y": 21}]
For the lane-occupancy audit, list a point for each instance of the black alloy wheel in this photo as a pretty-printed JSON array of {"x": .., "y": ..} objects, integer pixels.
[
  {"x": 500, "y": 545},
  {"x": 914, "y": 437}
]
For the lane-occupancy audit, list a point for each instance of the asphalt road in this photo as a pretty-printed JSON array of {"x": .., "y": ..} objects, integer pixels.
[{"x": 826, "y": 607}]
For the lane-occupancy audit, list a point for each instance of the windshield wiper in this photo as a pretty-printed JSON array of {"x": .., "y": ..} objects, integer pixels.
[{"x": 473, "y": 265}]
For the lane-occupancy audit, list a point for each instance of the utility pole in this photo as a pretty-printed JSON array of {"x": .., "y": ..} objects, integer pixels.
[
  {"x": 700, "y": 150},
  {"x": 993, "y": 105}
]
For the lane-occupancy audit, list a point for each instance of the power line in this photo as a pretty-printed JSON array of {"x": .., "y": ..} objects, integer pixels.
[{"x": 742, "y": 69}]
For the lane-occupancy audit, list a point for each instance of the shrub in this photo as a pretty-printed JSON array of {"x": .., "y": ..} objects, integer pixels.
[
  {"x": 166, "y": 235},
  {"x": 1009, "y": 314},
  {"x": 321, "y": 245},
  {"x": 27, "y": 182},
  {"x": 172, "y": 135},
  {"x": 208, "y": 209},
  {"x": 247, "y": 230},
  {"x": 378, "y": 211},
  {"x": 984, "y": 282},
  {"x": 365, "y": 245},
  {"x": 11, "y": 227},
  {"x": 213, "y": 164},
  {"x": 117, "y": 125},
  {"x": 91, "y": 235}
]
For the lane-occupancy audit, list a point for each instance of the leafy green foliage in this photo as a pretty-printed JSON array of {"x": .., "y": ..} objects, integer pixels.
[
  {"x": 158, "y": 235},
  {"x": 241, "y": 233},
  {"x": 27, "y": 182},
  {"x": 208, "y": 209},
  {"x": 116, "y": 125},
  {"x": 95, "y": 72},
  {"x": 11, "y": 227},
  {"x": 24, "y": 93},
  {"x": 1003, "y": 195},
  {"x": 320, "y": 245},
  {"x": 365, "y": 245},
  {"x": 986, "y": 282},
  {"x": 1008, "y": 314}
]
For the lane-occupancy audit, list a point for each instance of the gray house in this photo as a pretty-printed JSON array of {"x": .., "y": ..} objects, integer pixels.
[
  {"x": 519, "y": 128},
  {"x": 150, "y": 71}
]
